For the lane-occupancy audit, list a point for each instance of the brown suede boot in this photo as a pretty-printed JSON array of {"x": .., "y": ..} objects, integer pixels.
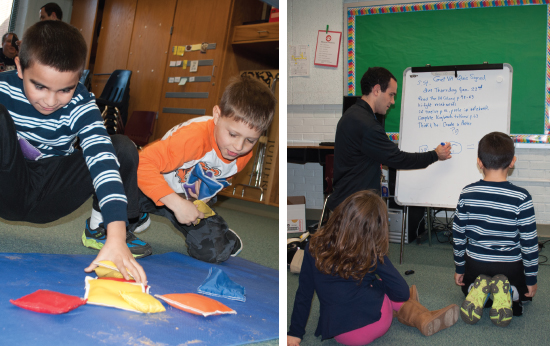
[
  {"x": 413, "y": 314},
  {"x": 413, "y": 296}
]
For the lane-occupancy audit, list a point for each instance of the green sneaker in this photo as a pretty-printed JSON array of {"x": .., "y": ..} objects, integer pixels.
[
  {"x": 472, "y": 307},
  {"x": 96, "y": 238},
  {"x": 501, "y": 312}
]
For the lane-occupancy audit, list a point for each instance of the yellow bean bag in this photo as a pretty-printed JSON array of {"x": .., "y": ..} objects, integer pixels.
[
  {"x": 128, "y": 296},
  {"x": 107, "y": 269}
]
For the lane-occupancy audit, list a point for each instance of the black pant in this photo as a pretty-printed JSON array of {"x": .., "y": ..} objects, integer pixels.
[
  {"x": 209, "y": 241},
  {"x": 512, "y": 270},
  {"x": 48, "y": 189}
]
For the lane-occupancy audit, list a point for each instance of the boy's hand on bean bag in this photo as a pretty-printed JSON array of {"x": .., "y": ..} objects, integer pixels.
[
  {"x": 116, "y": 251},
  {"x": 185, "y": 211}
]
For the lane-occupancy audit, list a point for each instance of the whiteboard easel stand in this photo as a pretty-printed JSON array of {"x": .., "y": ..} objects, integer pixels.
[
  {"x": 429, "y": 225},
  {"x": 403, "y": 228}
]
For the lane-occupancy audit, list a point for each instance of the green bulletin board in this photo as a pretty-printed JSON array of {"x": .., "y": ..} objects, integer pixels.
[{"x": 413, "y": 36}]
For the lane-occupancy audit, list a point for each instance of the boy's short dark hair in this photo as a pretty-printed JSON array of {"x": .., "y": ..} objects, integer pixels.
[
  {"x": 55, "y": 44},
  {"x": 248, "y": 100},
  {"x": 496, "y": 150},
  {"x": 53, "y": 7},
  {"x": 376, "y": 75}
]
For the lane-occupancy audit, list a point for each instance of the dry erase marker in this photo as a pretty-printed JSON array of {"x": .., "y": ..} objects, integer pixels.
[{"x": 443, "y": 143}]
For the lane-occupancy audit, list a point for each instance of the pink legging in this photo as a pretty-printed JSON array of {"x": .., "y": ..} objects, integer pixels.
[{"x": 370, "y": 332}]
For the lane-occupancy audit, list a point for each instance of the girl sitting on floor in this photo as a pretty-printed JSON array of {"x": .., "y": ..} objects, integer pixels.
[{"x": 341, "y": 263}]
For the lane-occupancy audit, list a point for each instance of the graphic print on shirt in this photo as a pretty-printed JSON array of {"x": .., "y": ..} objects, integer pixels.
[{"x": 209, "y": 182}]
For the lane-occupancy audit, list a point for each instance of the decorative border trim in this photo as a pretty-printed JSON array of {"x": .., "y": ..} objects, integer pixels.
[{"x": 450, "y": 5}]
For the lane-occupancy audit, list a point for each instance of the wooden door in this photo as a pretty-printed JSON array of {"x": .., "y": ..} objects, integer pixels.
[
  {"x": 83, "y": 18},
  {"x": 195, "y": 22},
  {"x": 114, "y": 41},
  {"x": 149, "y": 52}
]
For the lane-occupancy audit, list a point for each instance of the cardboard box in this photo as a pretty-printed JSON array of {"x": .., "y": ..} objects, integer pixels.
[{"x": 296, "y": 214}]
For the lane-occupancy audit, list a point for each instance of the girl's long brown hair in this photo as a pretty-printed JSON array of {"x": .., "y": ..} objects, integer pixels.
[{"x": 354, "y": 239}]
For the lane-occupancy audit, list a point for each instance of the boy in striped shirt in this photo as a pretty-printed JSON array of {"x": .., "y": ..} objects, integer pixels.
[
  {"x": 495, "y": 238},
  {"x": 43, "y": 177}
]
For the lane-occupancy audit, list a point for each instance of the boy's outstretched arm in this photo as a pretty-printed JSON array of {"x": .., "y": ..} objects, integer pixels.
[
  {"x": 116, "y": 250},
  {"x": 185, "y": 211}
]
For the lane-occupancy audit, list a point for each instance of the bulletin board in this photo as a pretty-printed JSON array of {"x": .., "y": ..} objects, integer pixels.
[{"x": 458, "y": 33}]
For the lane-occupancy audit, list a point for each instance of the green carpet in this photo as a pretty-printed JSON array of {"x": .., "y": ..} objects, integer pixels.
[
  {"x": 434, "y": 270},
  {"x": 256, "y": 225}
]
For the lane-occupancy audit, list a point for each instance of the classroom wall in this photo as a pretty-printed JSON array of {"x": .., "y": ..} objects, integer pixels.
[
  {"x": 313, "y": 118},
  {"x": 305, "y": 18},
  {"x": 532, "y": 170}
]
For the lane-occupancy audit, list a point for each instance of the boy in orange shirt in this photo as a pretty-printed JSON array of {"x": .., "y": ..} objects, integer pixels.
[{"x": 196, "y": 159}]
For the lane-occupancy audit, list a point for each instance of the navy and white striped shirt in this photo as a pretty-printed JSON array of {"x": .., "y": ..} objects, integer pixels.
[
  {"x": 56, "y": 134},
  {"x": 495, "y": 222}
]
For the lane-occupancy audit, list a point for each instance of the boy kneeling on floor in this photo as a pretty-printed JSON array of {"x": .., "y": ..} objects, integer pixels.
[
  {"x": 495, "y": 238},
  {"x": 43, "y": 176},
  {"x": 196, "y": 159}
]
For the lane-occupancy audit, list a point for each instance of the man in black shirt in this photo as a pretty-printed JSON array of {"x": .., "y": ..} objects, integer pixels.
[
  {"x": 7, "y": 53},
  {"x": 361, "y": 145}
]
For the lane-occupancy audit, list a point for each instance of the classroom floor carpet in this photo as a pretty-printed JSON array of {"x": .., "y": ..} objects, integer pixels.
[
  {"x": 256, "y": 225},
  {"x": 433, "y": 277}
]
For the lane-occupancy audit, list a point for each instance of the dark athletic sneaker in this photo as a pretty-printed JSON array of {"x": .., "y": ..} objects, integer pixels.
[
  {"x": 143, "y": 222},
  {"x": 95, "y": 239},
  {"x": 238, "y": 243}
]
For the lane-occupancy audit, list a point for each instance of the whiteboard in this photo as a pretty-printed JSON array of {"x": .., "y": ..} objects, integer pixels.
[{"x": 457, "y": 106}]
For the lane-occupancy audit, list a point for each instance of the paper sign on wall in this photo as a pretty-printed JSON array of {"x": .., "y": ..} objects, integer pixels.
[
  {"x": 327, "y": 50},
  {"x": 298, "y": 61}
]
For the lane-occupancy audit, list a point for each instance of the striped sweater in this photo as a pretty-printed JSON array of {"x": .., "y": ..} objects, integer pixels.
[
  {"x": 56, "y": 134},
  {"x": 495, "y": 222}
]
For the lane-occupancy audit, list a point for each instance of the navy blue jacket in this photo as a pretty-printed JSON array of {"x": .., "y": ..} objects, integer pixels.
[{"x": 346, "y": 305}]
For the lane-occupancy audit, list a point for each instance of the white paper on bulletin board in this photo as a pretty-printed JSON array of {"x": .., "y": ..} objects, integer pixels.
[
  {"x": 298, "y": 60},
  {"x": 327, "y": 50}
]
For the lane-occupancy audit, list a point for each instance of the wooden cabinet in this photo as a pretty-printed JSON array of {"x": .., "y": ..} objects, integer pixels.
[
  {"x": 113, "y": 43},
  {"x": 140, "y": 35},
  {"x": 254, "y": 49},
  {"x": 83, "y": 17},
  {"x": 256, "y": 33},
  {"x": 195, "y": 22}
]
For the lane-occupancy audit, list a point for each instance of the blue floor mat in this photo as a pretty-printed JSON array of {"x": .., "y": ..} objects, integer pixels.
[{"x": 256, "y": 320}]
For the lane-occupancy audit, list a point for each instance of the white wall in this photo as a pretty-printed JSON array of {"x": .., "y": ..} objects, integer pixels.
[{"x": 305, "y": 19}]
